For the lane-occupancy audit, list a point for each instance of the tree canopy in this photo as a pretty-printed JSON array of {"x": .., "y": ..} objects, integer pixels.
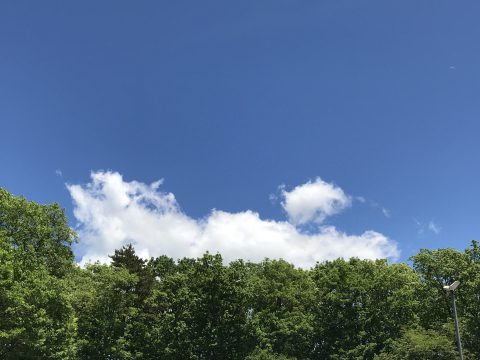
[{"x": 192, "y": 309}]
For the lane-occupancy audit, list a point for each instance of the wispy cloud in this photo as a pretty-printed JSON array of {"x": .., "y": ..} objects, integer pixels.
[
  {"x": 112, "y": 212},
  {"x": 361, "y": 199},
  {"x": 58, "y": 172},
  {"x": 434, "y": 227},
  {"x": 431, "y": 226},
  {"x": 386, "y": 212}
]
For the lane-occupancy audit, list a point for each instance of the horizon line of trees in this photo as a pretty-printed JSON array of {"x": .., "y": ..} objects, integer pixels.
[{"x": 192, "y": 309}]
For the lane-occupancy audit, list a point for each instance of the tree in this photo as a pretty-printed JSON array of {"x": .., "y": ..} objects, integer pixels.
[
  {"x": 41, "y": 229},
  {"x": 126, "y": 258},
  {"x": 266, "y": 354},
  {"x": 437, "y": 268},
  {"x": 36, "y": 318},
  {"x": 422, "y": 344},
  {"x": 443, "y": 266},
  {"x": 201, "y": 310},
  {"x": 106, "y": 311},
  {"x": 360, "y": 305},
  {"x": 281, "y": 316},
  {"x": 470, "y": 300}
]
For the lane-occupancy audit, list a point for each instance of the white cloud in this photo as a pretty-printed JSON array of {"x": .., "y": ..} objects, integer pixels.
[
  {"x": 423, "y": 227},
  {"x": 113, "y": 212},
  {"x": 361, "y": 199},
  {"x": 58, "y": 172},
  {"x": 386, "y": 212},
  {"x": 314, "y": 202},
  {"x": 434, "y": 227},
  {"x": 273, "y": 198}
]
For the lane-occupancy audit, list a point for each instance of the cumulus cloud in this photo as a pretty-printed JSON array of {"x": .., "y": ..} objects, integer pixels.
[
  {"x": 112, "y": 212},
  {"x": 314, "y": 202}
]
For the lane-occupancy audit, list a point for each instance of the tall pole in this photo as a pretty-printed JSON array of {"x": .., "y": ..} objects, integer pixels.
[{"x": 457, "y": 329}]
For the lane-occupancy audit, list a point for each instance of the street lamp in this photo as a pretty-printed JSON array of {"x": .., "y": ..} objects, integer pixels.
[{"x": 452, "y": 288}]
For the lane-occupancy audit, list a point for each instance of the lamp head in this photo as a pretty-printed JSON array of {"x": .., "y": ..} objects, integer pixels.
[{"x": 452, "y": 287}]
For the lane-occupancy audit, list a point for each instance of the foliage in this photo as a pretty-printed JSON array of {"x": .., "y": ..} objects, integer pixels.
[
  {"x": 361, "y": 304},
  {"x": 200, "y": 310},
  {"x": 421, "y": 344},
  {"x": 41, "y": 229},
  {"x": 281, "y": 308},
  {"x": 266, "y": 354},
  {"x": 104, "y": 303},
  {"x": 204, "y": 309},
  {"x": 36, "y": 317},
  {"x": 443, "y": 266}
]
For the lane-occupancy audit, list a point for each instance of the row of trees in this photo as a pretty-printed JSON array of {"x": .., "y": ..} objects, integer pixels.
[{"x": 203, "y": 309}]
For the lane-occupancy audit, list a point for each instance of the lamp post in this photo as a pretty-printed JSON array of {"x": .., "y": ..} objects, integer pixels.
[{"x": 452, "y": 288}]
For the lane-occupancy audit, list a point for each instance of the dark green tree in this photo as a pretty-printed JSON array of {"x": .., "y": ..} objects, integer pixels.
[
  {"x": 266, "y": 354},
  {"x": 360, "y": 305},
  {"x": 421, "y": 344},
  {"x": 202, "y": 310},
  {"x": 106, "y": 311},
  {"x": 126, "y": 258},
  {"x": 443, "y": 266},
  {"x": 281, "y": 316}
]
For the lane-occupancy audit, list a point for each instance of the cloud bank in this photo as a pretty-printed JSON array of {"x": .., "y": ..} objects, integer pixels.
[{"x": 112, "y": 212}]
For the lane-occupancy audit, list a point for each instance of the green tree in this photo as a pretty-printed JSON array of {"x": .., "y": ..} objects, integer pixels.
[
  {"x": 422, "y": 344},
  {"x": 266, "y": 354},
  {"x": 36, "y": 318},
  {"x": 281, "y": 315},
  {"x": 162, "y": 266},
  {"x": 106, "y": 311},
  {"x": 470, "y": 301},
  {"x": 41, "y": 229},
  {"x": 126, "y": 258},
  {"x": 360, "y": 305},
  {"x": 437, "y": 268},
  {"x": 202, "y": 310},
  {"x": 443, "y": 266}
]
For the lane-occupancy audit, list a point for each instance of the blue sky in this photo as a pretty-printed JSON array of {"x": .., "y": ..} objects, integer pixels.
[{"x": 227, "y": 101}]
